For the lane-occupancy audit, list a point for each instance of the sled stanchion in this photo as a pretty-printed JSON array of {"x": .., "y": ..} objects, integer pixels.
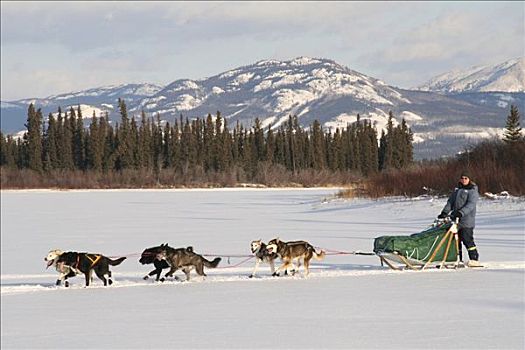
[
  {"x": 436, "y": 250},
  {"x": 446, "y": 251},
  {"x": 456, "y": 238}
]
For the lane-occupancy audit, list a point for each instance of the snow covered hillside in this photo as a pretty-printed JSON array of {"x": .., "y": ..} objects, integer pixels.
[
  {"x": 508, "y": 76},
  {"x": 348, "y": 302}
]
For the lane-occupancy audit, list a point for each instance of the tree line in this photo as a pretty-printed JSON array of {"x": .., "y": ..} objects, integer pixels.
[
  {"x": 208, "y": 144},
  {"x": 496, "y": 165}
]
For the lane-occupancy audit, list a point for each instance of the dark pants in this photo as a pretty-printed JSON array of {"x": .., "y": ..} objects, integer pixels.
[{"x": 466, "y": 235}]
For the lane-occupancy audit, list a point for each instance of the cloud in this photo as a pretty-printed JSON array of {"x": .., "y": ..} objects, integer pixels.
[
  {"x": 454, "y": 39},
  {"x": 163, "y": 41}
]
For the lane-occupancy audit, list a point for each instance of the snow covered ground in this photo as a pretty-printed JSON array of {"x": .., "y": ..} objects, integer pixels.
[{"x": 347, "y": 302}]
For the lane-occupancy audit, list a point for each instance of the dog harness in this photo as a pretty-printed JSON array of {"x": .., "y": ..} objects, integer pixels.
[{"x": 93, "y": 261}]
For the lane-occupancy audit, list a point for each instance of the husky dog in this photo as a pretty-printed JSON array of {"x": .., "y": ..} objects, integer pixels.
[
  {"x": 288, "y": 251},
  {"x": 262, "y": 255},
  {"x": 149, "y": 256},
  {"x": 64, "y": 270},
  {"x": 185, "y": 259},
  {"x": 86, "y": 263}
]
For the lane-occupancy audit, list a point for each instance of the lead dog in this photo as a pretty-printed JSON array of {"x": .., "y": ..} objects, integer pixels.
[
  {"x": 288, "y": 251},
  {"x": 64, "y": 270},
  {"x": 86, "y": 263},
  {"x": 185, "y": 259},
  {"x": 149, "y": 256},
  {"x": 261, "y": 253}
]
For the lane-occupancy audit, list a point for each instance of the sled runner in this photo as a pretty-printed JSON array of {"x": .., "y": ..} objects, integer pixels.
[{"x": 437, "y": 244}]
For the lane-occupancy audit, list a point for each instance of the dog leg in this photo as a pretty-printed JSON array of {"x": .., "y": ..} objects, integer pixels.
[
  {"x": 257, "y": 262},
  {"x": 88, "y": 277},
  {"x": 61, "y": 278},
  {"x": 102, "y": 277},
  {"x": 272, "y": 266},
  {"x": 110, "y": 280},
  {"x": 281, "y": 268},
  {"x": 306, "y": 268},
  {"x": 199, "y": 268},
  {"x": 187, "y": 272},
  {"x": 169, "y": 274},
  {"x": 156, "y": 271}
]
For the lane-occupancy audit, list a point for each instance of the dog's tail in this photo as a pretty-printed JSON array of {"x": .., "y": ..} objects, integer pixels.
[
  {"x": 318, "y": 256},
  {"x": 117, "y": 261},
  {"x": 211, "y": 264}
]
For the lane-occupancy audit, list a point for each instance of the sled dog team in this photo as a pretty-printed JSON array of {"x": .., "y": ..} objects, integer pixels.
[{"x": 70, "y": 264}]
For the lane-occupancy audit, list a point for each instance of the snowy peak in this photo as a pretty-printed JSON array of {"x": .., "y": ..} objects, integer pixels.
[
  {"x": 508, "y": 76},
  {"x": 272, "y": 87}
]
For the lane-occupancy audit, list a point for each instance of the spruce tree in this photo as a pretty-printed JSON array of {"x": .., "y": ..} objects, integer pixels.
[
  {"x": 3, "y": 150},
  {"x": 78, "y": 141},
  {"x": 134, "y": 144},
  {"x": 11, "y": 152},
  {"x": 389, "y": 143},
  {"x": 34, "y": 139},
  {"x": 512, "y": 126},
  {"x": 95, "y": 145},
  {"x": 51, "y": 156},
  {"x": 259, "y": 142},
  {"x": 66, "y": 141},
  {"x": 270, "y": 145},
  {"x": 124, "y": 148},
  {"x": 145, "y": 142}
]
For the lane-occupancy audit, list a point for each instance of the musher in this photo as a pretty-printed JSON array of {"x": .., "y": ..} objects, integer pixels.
[{"x": 462, "y": 204}]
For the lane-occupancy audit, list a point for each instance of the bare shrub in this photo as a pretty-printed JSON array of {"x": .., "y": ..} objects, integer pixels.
[{"x": 493, "y": 165}]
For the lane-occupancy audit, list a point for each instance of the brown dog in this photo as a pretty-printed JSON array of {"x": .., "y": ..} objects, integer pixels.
[{"x": 289, "y": 251}]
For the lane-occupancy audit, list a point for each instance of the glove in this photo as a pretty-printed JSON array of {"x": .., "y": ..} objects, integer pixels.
[
  {"x": 442, "y": 215},
  {"x": 456, "y": 214}
]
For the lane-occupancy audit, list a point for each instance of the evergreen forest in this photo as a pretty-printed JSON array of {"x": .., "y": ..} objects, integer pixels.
[{"x": 63, "y": 151}]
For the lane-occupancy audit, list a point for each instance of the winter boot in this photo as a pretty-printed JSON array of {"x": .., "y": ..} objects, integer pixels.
[{"x": 473, "y": 263}]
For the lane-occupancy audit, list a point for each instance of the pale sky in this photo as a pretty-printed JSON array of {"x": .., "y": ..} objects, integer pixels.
[{"x": 49, "y": 48}]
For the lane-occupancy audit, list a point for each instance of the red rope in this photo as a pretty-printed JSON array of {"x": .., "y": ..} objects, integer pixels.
[
  {"x": 238, "y": 264},
  {"x": 248, "y": 257}
]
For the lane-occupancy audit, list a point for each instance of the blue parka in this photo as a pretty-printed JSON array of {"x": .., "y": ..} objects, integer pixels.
[{"x": 464, "y": 199}]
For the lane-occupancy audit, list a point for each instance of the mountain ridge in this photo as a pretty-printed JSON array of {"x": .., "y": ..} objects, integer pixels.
[
  {"x": 508, "y": 76},
  {"x": 311, "y": 88}
]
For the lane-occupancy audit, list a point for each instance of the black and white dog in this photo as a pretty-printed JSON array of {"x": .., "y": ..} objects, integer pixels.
[
  {"x": 64, "y": 270},
  {"x": 262, "y": 254}
]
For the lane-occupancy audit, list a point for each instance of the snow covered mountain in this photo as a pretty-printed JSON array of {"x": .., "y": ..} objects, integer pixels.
[
  {"x": 273, "y": 90},
  {"x": 311, "y": 88},
  {"x": 508, "y": 76},
  {"x": 101, "y": 100}
]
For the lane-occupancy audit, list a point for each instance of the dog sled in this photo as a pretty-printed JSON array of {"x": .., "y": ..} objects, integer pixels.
[{"x": 437, "y": 246}]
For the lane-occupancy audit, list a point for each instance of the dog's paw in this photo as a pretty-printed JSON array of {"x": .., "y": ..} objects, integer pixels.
[
  {"x": 145, "y": 278},
  {"x": 251, "y": 276},
  {"x": 275, "y": 274},
  {"x": 162, "y": 279},
  {"x": 66, "y": 284}
]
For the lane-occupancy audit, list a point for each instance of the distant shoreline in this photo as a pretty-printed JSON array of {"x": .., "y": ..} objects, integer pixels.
[{"x": 196, "y": 189}]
